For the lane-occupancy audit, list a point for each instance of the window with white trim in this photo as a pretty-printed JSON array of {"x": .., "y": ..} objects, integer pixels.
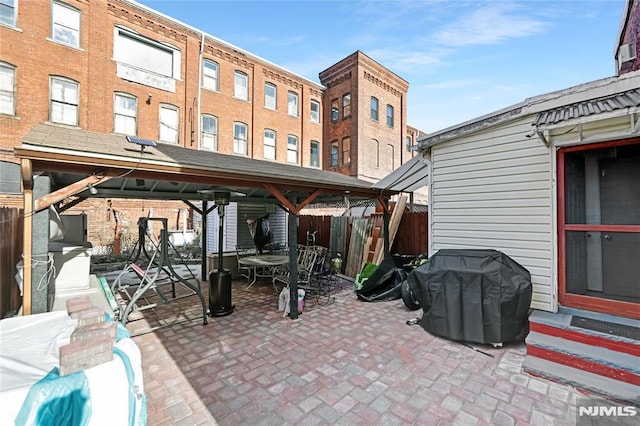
[
  {"x": 210, "y": 75},
  {"x": 209, "y": 139},
  {"x": 140, "y": 52},
  {"x": 241, "y": 85},
  {"x": 270, "y": 96},
  {"x": 292, "y": 149},
  {"x": 240, "y": 138},
  {"x": 292, "y": 104},
  {"x": 125, "y": 108},
  {"x": 7, "y": 89},
  {"x": 315, "y": 111},
  {"x": 63, "y": 99},
  {"x": 269, "y": 144},
  {"x": 169, "y": 123},
  {"x": 8, "y": 11},
  {"x": 314, "y": 157},
  {"x": 65, "y": 24}
]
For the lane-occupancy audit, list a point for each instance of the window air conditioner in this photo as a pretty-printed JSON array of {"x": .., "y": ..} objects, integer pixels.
[{"x": 627, "y": 52}]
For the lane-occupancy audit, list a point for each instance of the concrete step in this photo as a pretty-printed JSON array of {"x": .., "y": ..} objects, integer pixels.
[{"x": 604, "y": 358}]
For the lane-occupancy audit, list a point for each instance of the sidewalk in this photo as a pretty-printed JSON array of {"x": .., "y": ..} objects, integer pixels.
[{"x": 346, "y": 363}]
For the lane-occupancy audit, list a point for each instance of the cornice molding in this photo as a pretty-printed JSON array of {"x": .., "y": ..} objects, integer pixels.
[
  {"x": 338, "y": 80},
  {"x": 270, "y": 74},
  {"x": 228, "y": 56},
  {"x": 380, "y": 83},
  {"x": 124, "y": 13}
]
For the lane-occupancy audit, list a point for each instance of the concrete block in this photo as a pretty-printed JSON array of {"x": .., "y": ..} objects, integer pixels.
[{"x": 79, "y": 303}]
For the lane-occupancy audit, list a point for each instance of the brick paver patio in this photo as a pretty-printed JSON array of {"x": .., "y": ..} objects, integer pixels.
[{"x": 346, "y": 363}]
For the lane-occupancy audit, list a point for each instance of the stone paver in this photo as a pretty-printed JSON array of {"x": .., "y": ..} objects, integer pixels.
[{"x": 345, "y": 363}]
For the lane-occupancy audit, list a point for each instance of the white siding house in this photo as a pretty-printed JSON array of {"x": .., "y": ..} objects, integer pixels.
[
  {"x": 494, "y": 180},
  {"x": 493, "y": 189}
]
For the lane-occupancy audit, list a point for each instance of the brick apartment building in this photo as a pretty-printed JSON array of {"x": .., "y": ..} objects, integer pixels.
[{"x": 117, "y": 67}]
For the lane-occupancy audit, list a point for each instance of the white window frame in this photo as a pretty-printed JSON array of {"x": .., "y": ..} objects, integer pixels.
[
  {"x": 315, "y": 111},
  {"x": 240, "y": 138},
  {"x": 292, "y": 149},
  {"x": 210, "y": 75},
  {"x": 7, "y": 89},
  {"x": 169, "y": 129},
  {"x": 314, "y": 157},
  {"x": 240, "y": 85},
  {"x": 125, "y": 120},
  {"x": 125, "y": 43},
  {"x": 270, "y": 144},
  {"x": 292, "y": 104},
  {"x": 209, "y": 136},
  {"x": 64, "y": 96},
  {"x": 271, "y": 101},
  {"x": 11, "y": 19},
  {"x": 65, "y": 24}
]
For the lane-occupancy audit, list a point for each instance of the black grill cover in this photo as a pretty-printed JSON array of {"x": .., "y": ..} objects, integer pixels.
[{"x": 480, "y": 296}]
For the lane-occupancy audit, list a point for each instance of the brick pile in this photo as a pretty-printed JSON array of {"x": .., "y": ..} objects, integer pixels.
[{"x": 91, "y": 342}]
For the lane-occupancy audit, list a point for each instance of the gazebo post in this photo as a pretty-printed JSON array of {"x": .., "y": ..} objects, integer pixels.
[{"x": 293, "y": 259}]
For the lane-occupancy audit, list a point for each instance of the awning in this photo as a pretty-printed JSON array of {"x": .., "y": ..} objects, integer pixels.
[{"x": 412, "y": 175}]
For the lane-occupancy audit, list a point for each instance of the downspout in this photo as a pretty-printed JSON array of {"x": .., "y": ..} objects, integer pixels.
[
  {"x": 302, "y": 139},
  {"x": 253, "y": 106},
  {"x": 402, "y": 128},
  {"x": 429, "y": 208},
  {"x": 200, "y": 63}
]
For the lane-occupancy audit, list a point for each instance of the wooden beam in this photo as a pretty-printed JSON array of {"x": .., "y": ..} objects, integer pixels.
[
  {"x": 280, "y": 197},
  {"x": 384, "y": 203},
  {"x": 72, "y": 204},
  {"x": 309, "y": 199},
  {"x": 190, "y": 204},
  {"x": 73, "y": 189}
]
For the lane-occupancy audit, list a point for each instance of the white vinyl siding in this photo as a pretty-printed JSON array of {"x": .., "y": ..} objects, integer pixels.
[{"x": 492, "y": 190}]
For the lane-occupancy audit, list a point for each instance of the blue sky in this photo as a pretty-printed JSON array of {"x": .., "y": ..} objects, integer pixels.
[{"x": 462, "y": 59}]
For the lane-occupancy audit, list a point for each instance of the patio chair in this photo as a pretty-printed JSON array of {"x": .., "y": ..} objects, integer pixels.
[
  {"x": 306, "y": 262},
  {"x": 244, "y": 270}
]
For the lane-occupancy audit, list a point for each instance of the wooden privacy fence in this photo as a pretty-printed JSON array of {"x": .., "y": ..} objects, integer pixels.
[
  {"x": 360, "y": 239},
  {"x": 11, "y": 226}
]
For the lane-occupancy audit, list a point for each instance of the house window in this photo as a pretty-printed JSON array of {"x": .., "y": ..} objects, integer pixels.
[
  {"x": 315, "y": 111},
  {"x": 65, "y": 24},
  {"x": 169, "y": 123},
  {"x": 124, "y": 114},
  {"x": 389, "y": 116},
  {"x": 409, "y": 143},
  {"x": 346, "y": 105},
  {"x": 269, "y": 144},
  {"x": 241, "y": 86},
  {"x": 346, "y": 150},
  {"x": 599, "y": 226},
  {"x": 209, "y": 139},
  {"x": 314, "y": 158},
  {"x": 292, "y": 104},
  {"x": 8, "y": 12},
  {"x": 7, "y": 89},
  {"x": 374, "y": 108},
  {"x": 270, "y": 96},
  {"x": 334, "y": 154},
  {"x": 145, "y": 54},
  {"x": 210, "y": 75},
  {"x": 335, "y": 110},
  {"x": 292, "y": 149},
  {"x": 240, "y": 138},
  {"x": 64, "y": 101}
]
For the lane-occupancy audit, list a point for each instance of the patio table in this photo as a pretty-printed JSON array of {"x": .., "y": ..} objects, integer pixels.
[{"x": 265, "y": 261}]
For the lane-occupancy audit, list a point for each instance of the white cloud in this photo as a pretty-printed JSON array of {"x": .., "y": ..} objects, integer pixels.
[{"x": 490, "y": 24}]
